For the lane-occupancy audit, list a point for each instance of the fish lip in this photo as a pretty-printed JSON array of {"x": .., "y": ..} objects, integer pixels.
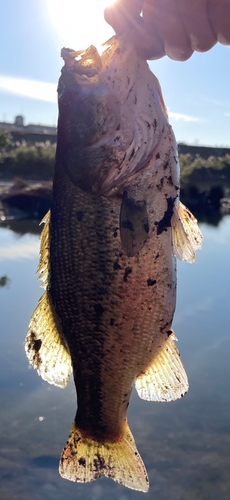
[{"x": 88, "y": 62}]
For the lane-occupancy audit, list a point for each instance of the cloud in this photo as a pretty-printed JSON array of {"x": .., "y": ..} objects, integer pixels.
[
  {"x": 185, "y": 118},
  {"x": 44, "y": 91},
  {"x": 33, "y": 89},
  {"x": 216, "y": 102},
  {"x": 20, "y": 251},
  {"x": 226, "y": 114}
]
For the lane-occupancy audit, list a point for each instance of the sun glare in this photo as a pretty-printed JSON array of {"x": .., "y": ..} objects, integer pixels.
[{"x": 78, "y": 24}]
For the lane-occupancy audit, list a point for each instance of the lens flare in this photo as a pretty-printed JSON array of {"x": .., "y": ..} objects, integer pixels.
[{"x": 78, "y": 24}]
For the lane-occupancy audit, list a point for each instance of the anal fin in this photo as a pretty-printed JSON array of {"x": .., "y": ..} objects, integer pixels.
[
  {"x": 45, "y": 347},
  {"x": 84, "y": 460},
  {"x": 165, "y": 379},
  {"x": 186, "y": 235}
]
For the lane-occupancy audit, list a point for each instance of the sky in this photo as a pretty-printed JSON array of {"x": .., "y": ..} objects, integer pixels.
[{"x": 196, "y": 92}]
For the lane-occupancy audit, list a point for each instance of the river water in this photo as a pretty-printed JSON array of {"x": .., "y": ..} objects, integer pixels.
[{"x": 185, "y": 444}]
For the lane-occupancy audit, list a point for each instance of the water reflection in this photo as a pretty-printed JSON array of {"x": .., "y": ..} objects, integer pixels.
[
  {"x": 22, "y": 226},
  {"x": 4, "y": 281},
  {"x": 185, "y": 444},
  {"x": 22, "y": 250}
]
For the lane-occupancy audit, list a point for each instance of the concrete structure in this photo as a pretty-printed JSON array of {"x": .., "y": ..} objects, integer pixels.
[{"x": 18, "y": 126}]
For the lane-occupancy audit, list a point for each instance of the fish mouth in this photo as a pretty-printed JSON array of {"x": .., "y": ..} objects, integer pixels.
[
  {"x": 83, "y": 62},
  {"x": 88, "y": 62}
]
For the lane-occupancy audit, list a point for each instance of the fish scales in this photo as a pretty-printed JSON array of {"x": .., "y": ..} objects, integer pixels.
[
  {"x": 108, "y": 249},
  {"x": 98, "y": 265}
]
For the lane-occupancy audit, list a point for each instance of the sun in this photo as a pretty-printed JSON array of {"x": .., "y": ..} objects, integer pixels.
[{"x": 79, "y": 23}]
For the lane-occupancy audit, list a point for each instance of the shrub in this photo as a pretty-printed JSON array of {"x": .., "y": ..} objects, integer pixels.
[
  {"x": 30, "y": 161},
  {"x": 5, "y": 139},
  {"x": 205, "y": 173}
]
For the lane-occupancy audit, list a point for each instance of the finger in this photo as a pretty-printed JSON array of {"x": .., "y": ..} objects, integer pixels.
[
  {"x": 114, "y": 17},
  {"x": 124, "y": 17},
  {"x": 195, "y": 20},
  {"x": 122, "y": 13},
  {"x": 133, "y": 7},
  {"x": 147, "y": 41},
  {"x": 163, "y": 18},
  {"x": 219, "y": 16}
]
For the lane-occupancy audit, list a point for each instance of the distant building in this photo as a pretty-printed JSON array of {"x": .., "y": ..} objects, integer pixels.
[
  {"x": 19, "y": 121},
  {"x": 18, "y": 126}
]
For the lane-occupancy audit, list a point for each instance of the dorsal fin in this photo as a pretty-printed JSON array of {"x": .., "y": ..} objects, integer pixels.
[
  {"x": 43, "y": 266},
  {"x": 134, "y": 225},
  {"x": 45, "y": 345}
]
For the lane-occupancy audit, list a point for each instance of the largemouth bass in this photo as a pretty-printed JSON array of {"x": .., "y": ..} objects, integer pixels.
[{"x": 108, "y": 258}]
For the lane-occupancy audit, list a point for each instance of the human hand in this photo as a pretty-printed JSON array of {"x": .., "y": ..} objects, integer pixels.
[{"x": 175, "y": 28}]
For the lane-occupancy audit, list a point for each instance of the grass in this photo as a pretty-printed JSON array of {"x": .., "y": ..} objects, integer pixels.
[{"x": 36, "y": 161}]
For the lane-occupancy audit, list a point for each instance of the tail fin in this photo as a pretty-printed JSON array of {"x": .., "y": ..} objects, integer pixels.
[{"x": 84, "y": 460}]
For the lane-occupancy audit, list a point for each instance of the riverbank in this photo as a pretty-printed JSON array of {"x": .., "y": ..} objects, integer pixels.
[
  {"x": 26, "y": 173},
  {"x": 205, "y": 185},
  {"x": 30, "y": 199},
  {"x": 23, "y": 199}
]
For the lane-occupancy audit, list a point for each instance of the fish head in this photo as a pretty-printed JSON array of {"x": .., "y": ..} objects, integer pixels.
[{"x": 110, "y": 116}]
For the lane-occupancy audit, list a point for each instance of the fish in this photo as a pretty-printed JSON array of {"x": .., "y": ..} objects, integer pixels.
[{"x": 108, "y": 258}]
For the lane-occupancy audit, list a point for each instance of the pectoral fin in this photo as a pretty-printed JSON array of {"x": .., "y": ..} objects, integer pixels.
[
  {"x": 186, "y": 235},
  {"x": 45, "y": 347},
  {"x": 165, "y": 379},
  {"x": 134, "y": 226}
]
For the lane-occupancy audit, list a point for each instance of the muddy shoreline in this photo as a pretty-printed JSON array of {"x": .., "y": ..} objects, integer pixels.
[
  {"x": 23, "y": 199},
  {"x": 31, "y": 199}
]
